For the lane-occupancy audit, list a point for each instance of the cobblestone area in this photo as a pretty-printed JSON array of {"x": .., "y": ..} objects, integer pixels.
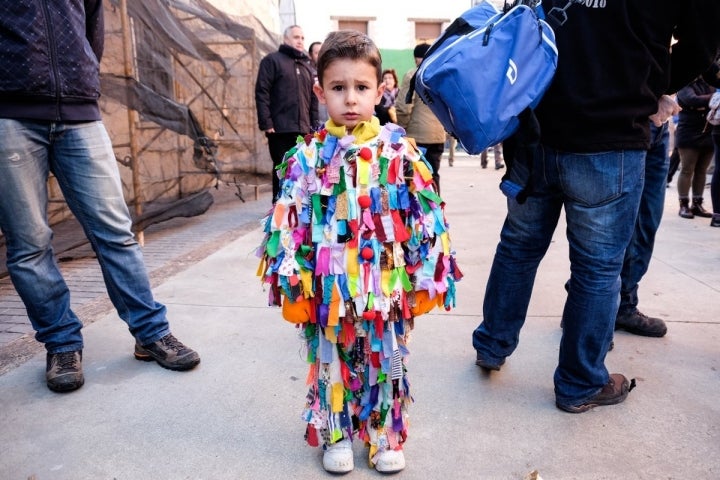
[{"x": 169, "y": 248}]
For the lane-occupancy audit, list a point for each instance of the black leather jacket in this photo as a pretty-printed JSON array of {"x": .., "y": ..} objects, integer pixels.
[{"x": 50, "y": 54}]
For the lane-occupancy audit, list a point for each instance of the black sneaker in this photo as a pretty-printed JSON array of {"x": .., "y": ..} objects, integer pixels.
[
  {"x": 169, "y": 352},
  {"x": 615, "y": 391},
  {"x": 638, "y": 323},
  {"x": 63, "y": 371},
  {"x": 484, "y": 362}
]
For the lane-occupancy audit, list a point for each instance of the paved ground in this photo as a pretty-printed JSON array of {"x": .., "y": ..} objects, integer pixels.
[{"x": 237, "y": 415}]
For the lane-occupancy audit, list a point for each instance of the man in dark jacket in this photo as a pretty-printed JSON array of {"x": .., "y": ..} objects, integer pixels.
[
  {"x": 284, "y": 98},
  {"x": 614, "y": 66},
  {"x": 50, "y": 122}
]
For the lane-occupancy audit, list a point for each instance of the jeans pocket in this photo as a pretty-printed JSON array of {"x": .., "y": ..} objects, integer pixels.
[{"x": 594, "y": 179}]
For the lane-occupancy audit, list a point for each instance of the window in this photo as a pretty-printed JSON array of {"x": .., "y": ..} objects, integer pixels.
[
  {"x": 427, "y": 32},
  {"x": 353, "y": 23},
  {"x": 358, "y": 25}
]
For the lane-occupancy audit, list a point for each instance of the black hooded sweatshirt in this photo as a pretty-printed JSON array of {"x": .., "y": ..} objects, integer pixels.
[{"x": 614, "y": 63}]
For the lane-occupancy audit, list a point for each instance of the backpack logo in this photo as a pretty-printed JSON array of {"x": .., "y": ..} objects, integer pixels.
[{"x": 512, "y": 72}]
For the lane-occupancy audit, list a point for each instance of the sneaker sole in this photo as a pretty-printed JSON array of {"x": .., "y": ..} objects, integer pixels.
[
  {"x": 487, "y": 366},
  {"x": 343, "y": 469},
  {"x": 640, "y": 332},
  {"x": 66, "y": 387},
  {"x": 169, "y": 366},
  {"x": 590, "y": 405},
  {"x": 482, "y": 363}
]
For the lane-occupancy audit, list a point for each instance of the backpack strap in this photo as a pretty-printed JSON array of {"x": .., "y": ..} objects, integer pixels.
[{"x": 558, "y": 16}]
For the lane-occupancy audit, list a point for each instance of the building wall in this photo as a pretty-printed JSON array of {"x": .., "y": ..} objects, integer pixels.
[{"x": 266, "y": 11}]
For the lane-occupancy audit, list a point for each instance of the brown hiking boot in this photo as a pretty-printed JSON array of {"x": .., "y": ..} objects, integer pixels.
[
  {"x": 614, "y": 392},
  {"x": 63, "y": 371},
  {"x": 169, "y": 352},
  {"x": 638, "y": 323}
]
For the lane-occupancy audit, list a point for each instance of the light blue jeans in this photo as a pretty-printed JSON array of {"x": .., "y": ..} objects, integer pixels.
[
  {"x": 80, "y": 156},
  {"x": 600, "y": 193}
]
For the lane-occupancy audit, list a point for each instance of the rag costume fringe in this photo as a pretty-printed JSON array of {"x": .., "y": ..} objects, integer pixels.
[{"x": 356, "y": 246}]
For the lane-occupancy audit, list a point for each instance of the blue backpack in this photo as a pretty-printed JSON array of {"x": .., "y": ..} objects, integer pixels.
[{"x": 486, "y": 69}]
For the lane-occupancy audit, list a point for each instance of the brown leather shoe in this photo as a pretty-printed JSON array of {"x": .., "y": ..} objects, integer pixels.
[
  {"x": 615, "y": 391},
  {"x": 685, "y": 211},
  {"x": 698, "y": 210}
]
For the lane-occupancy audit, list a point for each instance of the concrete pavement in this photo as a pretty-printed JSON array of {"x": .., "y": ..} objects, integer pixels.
[{"x": 237, "y": 416}]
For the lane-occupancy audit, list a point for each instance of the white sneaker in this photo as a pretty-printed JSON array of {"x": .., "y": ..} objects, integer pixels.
[
  {"x": 389, "y": 461},
  {"x": 338, "y": 458}
]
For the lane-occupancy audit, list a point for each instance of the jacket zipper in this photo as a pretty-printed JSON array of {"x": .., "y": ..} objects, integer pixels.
[{"x": 52, "y": 53}]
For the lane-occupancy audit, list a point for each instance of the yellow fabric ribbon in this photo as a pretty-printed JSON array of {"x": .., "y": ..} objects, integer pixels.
[
  {"x": 336, "y": 400},
  {"x": 363, "y": 131}
]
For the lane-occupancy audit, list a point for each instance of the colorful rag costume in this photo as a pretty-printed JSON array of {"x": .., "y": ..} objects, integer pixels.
[{"x": 358, "y": 245}]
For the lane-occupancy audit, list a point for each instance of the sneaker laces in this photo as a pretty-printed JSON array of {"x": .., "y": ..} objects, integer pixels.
[
  {"x": 66, "y": 361},
  {"x": 172, "y": 343},
  {"x": 646, "y": 320}
]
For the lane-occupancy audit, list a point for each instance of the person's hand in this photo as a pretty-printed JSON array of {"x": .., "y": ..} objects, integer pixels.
[
  {"x": 270, "y": 130},
  {"x": 667, "y": 107}
]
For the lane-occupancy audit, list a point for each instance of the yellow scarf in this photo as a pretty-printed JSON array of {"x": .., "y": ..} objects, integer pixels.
[{"x": 363, "y": 131}]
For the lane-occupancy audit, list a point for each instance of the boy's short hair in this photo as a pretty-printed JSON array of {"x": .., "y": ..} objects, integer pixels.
[{"x": 349, "y": 44}]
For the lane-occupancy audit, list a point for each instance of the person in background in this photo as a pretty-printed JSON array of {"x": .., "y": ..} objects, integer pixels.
[
  {"x": 589, "y": 164},
  {"x": 385, "y": 110},
  {"x": 50, "y": 122},
  {"x": 340, "y": 244},
  {"x": 451, "y": 143},
  {"x": 419, "y": 121},
  {"x": 313, "y": 52},
  {"x": 284, "y": 99},
  {"x": 695, "y": 146},
  {"x": 498, "y": 155}
]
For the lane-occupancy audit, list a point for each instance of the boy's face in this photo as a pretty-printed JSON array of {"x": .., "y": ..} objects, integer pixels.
[{"x": 350, "y": 90}]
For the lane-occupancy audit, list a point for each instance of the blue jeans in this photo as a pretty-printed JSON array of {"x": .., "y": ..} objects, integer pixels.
[
  {"x": 652, "y": 202},
  {"x": 600, "y": 193},
  {"x": 80, "y": 156}
]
